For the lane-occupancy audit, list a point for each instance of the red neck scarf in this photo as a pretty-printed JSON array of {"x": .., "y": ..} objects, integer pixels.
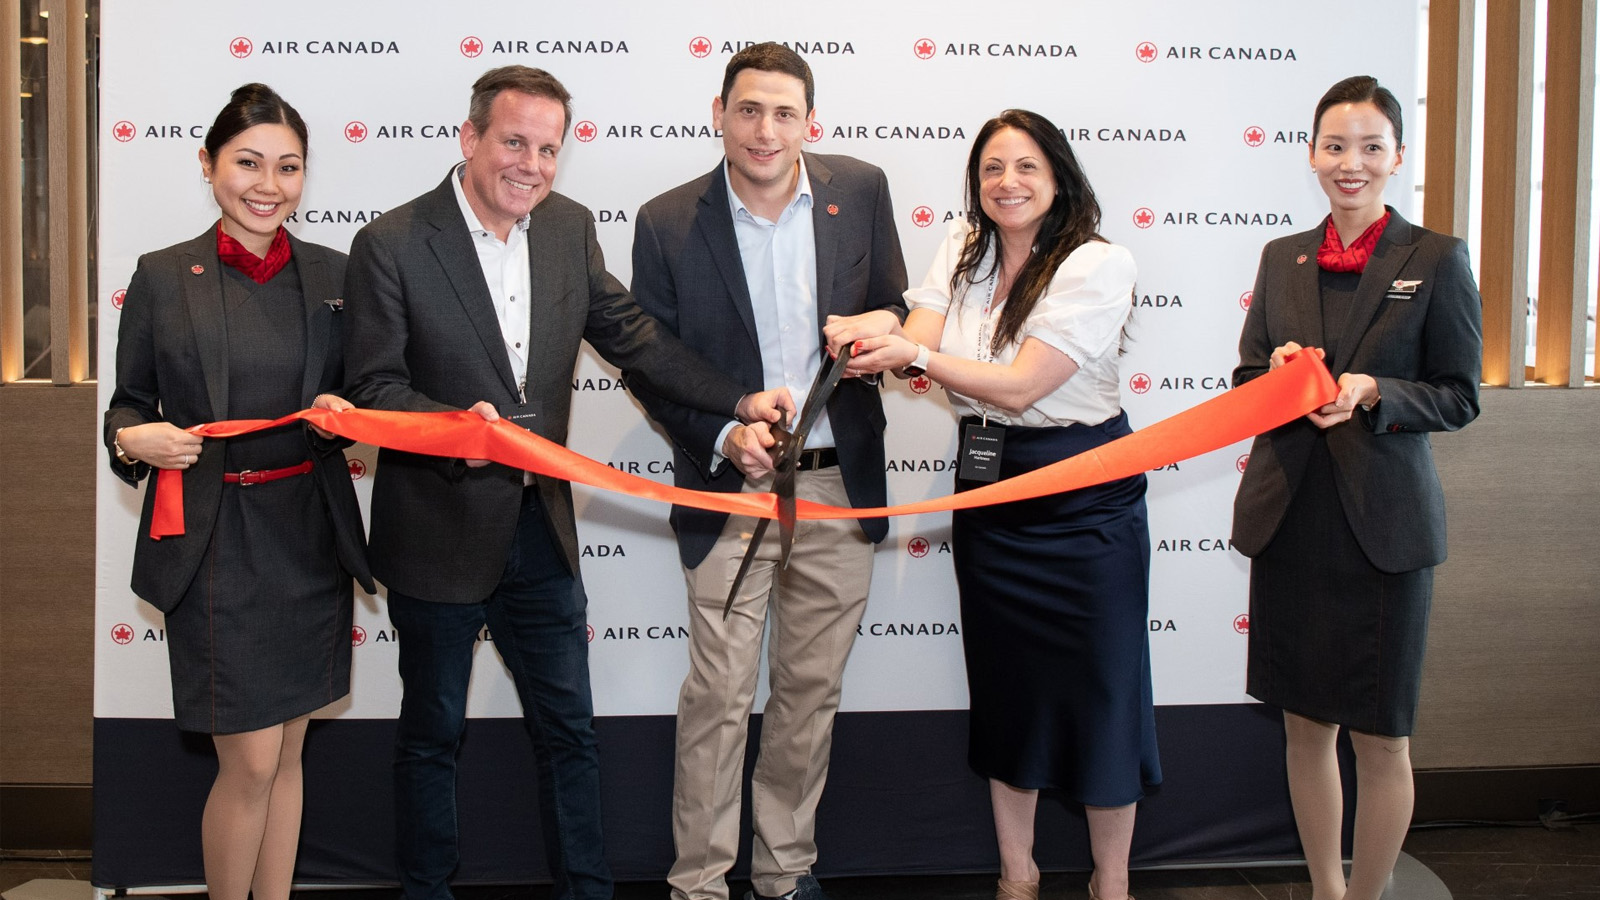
[
  {"x": 1334, "y": 256},
  {"x": 258, "y": 269}
]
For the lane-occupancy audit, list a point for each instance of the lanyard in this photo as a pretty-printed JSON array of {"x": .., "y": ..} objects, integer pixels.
[{"x": 985, "y": 351}]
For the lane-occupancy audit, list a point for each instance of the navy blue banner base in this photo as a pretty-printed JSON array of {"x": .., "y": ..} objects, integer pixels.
[{"x": 900, "y": 800}]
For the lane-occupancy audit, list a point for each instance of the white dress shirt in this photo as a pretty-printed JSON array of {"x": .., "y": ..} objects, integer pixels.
[
  {"x": 1081, "y": 315},
  {"x": 505, "y": 268}
]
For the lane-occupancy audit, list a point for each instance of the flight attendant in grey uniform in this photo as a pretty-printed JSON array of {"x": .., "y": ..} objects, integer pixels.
[
  {"x": 243, "y": 322},
  {"x": 1341, "y": 512}
]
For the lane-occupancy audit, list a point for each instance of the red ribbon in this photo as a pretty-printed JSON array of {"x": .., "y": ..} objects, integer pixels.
[{"x": 1300, "y": 386}]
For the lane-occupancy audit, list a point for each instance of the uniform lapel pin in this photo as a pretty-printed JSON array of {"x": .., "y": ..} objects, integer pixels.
[
  {"x": 833, "y": 209},
  {"x": 1404, "y": 286},
  {"x": 1301, "y": 261},
  {"x": 335, "y": 304},
  {"x": 197, "y": 269}
]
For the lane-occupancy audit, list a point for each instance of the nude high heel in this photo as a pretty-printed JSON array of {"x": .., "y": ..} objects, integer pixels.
[{"x": 1017, "y": 890}]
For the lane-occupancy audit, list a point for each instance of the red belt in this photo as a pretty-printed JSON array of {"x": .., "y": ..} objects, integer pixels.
[{"x": 262, "y": 476}]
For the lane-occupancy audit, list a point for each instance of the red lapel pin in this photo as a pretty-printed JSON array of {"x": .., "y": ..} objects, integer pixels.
[
  {"x": 198, "y": 269},
  {"x": 833, "y": 209},
  {"x": 1301, "y": 261}
]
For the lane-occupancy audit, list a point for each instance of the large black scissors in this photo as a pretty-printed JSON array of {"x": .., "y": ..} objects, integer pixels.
[{"x": 789, "y": 447}]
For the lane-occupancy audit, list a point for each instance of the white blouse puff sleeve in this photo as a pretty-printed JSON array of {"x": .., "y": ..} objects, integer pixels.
[{"x": 1082, "y": 315}]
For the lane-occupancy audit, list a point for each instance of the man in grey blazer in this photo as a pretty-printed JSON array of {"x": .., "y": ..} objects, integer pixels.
[
  {"x": 747, "y": 263},
  {"x": 476, "y": 296}
]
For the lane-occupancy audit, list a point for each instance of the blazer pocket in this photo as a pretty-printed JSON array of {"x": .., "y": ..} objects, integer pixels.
[{"x": 853, "y": 281}]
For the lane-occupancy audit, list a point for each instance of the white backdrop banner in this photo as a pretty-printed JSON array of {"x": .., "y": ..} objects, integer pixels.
[{"x": 1192, "y": 121}]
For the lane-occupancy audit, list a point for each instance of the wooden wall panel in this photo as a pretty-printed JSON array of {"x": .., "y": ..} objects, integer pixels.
[
  {"x": 1507, "y": 189},
  {"x": 1568, "y": 193},
  {"x": 1449, "y": 138},
  {"x": 10, "y": 193},
  {"x": 47, "y": 521},
  {"x": 69, "y": 193}
]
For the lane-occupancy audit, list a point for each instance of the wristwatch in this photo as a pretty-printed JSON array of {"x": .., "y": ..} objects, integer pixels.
[
  {"x": 116, "y": 445},
  {"x": 918, "y": 366}
]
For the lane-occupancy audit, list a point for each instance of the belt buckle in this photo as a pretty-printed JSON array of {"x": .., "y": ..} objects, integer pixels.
[{"x": 249, "y": 477}]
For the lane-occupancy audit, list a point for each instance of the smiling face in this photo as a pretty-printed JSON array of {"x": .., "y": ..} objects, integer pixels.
[
  {"x": 511, "y": 164},
  {"x": 1015, "y": 185},
  {"x": 256, "y": 179},
  {"x": 763, "y": 127},
  {"x": 1353, "y": 155}
]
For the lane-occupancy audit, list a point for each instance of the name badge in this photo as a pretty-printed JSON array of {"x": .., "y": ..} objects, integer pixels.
[{"x": 981, "y": 446}]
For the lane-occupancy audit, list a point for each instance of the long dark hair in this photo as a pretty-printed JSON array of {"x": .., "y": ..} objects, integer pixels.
[
  {"x": 1072, "y": 221},
  {"x": 251, "y": 105}
]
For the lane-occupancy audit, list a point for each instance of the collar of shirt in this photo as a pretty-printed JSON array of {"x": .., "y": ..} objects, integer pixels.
[
  {"x": 507, "y": 274},
  {"x": 801, "y": 189},
  {"x": 475, "y": 227},
  {"x": 780, "y": 268}
]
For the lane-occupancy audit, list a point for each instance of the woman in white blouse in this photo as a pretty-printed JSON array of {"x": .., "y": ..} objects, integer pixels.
[{"x": 1020, "y": 319}]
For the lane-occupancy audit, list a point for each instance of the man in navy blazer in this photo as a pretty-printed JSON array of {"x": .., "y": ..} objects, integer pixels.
[
  {"x": 476, "y": 295},
  {"x": 745, "y": 264}
]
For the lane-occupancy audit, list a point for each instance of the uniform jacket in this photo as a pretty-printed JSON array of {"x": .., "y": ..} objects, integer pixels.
[
  {"x": 1416, "y": 327},
  {"x": 172, "y": 365}
]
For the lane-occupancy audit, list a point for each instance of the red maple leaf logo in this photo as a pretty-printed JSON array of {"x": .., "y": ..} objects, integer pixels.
[
  {"x": 700, "y": 47},
  {"x": 921, "y": 384},
  {"x": 1242, "y": 463},
  {"x": 1241, "y": 624},
  {"x": 358, "y": 635},
  {"x": 585, "y": 131},
  {"x": 471, "y": 47},
  {"x": 357, "y": 469},
  {"x": 121, "y": 633},
  {"x": 1146, "y": 52},
  {"x": 1139, "y": 383},
  {"x": 918, "y": 547},
  {"x": 924, "y": 49},
  {"x": 1144, "y": 217},
  {"x": 355, "y": 132},
  {"x": 124, "y": 131},
  {"x": 118, "y": 297},
  {"x": 922, "y": 217},
  {"x": 1254, "y": 136},
  {"x": 814, "y": 132},
  {"x": 1245, "y": 298},
  {"x": 241, "y": 47}
]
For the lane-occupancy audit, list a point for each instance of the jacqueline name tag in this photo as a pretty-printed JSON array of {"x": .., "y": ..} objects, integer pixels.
[{"x": 980, "y": 452}]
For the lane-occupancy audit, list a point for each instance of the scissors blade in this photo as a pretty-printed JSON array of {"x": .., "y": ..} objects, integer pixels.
[
  {"x": 790, "y": 445},
  {"x": 784, "y": 486},
  {"x": 744, "y": 564}
]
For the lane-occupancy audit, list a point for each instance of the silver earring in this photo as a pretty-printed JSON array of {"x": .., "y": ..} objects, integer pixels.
[{"x": 205, "y": 179}]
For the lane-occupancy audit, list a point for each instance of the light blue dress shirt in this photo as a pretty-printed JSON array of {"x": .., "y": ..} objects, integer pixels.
[{"x": 780, "y": 269}]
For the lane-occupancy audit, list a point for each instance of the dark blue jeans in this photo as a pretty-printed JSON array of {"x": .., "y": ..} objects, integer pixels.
[{"x": 536, "y": 616}]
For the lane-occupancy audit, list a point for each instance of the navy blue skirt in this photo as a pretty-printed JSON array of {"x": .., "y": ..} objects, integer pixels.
[{"x": 1055, "y": 596}]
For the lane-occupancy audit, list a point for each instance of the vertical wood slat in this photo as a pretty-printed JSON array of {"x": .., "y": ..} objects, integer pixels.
[
  {"x": 1445, "y": 202},
  {"x": 69, "y": 193},
  {"x": 1507, "y": 189},
  {"x": 1568, "y": 181},
  {"x": 10, "y": 191}
]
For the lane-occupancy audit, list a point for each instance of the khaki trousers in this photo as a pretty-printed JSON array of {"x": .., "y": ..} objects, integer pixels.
[{"x": 815, "y": 607}]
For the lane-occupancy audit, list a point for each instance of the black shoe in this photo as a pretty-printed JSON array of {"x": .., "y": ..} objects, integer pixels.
[{"x": 804, "y": 889}]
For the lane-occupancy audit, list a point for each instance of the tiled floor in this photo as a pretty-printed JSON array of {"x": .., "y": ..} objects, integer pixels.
[{"x": 1482, "y": 863}]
